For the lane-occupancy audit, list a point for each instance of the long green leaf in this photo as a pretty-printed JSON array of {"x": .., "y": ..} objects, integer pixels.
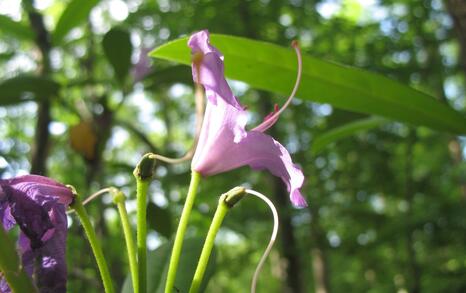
[
  {"x": 15, "y": 29},
  {"x": 24, "y": 88},
  {"x": 344, "y": 131},
  {"x": 74, "y": 14},
  {"x": 271, "y": 67}
]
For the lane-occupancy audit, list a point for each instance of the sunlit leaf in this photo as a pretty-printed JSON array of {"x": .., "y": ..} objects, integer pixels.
[
  {"x": 271, "y": 67},
  {"x": 117, "y": 48},
  {"x": 15, "y": 29},
  {"x": 75, "y": 13},
  {"x": 344, "y": 131},
  {"x": 24, "y": 88},
  {"x": 157, "y": 267}
]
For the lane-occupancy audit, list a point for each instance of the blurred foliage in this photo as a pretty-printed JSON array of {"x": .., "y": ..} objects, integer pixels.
[{"x": 386, "y": 205}]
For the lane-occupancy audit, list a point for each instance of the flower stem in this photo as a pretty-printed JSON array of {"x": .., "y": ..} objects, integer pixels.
[
  {"x": 143, "y": 173},
  {"x": 119, "y": 199},
  {"x": 178, "y": 244},
  {"x": 220, "y": 214},
  {"x": 141, "y": 190},
  {"x": 10, "y": 267},
  {"x": 96, "y": 248},
  {"x": 225, "y": 203}
]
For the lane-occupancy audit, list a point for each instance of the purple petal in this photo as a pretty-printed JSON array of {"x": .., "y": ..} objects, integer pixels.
[
  {"x": 41, "y": 189},
  {"x": 142, "y": 66},
  {"x": 6, "y": 219},
  {"x": 224, "y": 145},
  {"x": 31, "y": 217},
  {"x": 4, "y": 288},
  {"x": 48, "y": 262},
  {"x": 37, "y": 204},
  {"x": 211, "y": 70}
]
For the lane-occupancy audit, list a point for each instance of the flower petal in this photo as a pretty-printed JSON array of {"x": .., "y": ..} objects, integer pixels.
[
  {"x": 41, "y": 189},
  {"x": 222, "y": 126},
  {"x": 261, "y": 151},
  {"x": 211, "y": 70},
  {"x": 4, "y": 288},
  {"x": 48, "y": 262},
  {"x": 224, "y": 145},
  {"x": 37, "y": 204}
]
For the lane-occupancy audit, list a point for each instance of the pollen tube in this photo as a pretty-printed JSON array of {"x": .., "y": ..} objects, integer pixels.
[{"x": 273, "y": 117}]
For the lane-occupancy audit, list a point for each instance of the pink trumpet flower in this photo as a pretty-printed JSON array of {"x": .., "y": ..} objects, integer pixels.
[{"x": 224, "y": 143}]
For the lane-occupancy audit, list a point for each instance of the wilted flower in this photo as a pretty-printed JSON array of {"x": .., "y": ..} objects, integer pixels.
[
  {"x": 224, "y": 144},
  {"x": 37, "y": 205}
]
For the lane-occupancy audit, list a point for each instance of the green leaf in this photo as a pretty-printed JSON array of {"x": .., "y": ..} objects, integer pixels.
[
  {"x": 10, "y": 267},
  {"x": 75, "y": 13},
  {"x": 117, "y": 48},
  {"x": 344, "y": 131},
  {"x": 271, "y": 67},
  {"x": 168, "y": 76},
  {"x": 157, "y": 267},
  {"x": 15, "y": 29},
  {"x": 159, "y": 219},
  {"x": 24, "y": 88}
]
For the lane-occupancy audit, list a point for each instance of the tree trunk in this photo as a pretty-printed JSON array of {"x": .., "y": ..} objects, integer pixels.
[
  {"x": 290, "y": 251},
  {"x": 414, "y": 269},
  {"x": 318, "y": 252},
  {"x": 42, "y": 135},
  {"x": 457, "y": 10}
]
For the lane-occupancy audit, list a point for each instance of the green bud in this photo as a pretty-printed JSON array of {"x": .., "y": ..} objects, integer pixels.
[
  {"x": 233, "y": 196},
  {"x": 145, "y": 168}
]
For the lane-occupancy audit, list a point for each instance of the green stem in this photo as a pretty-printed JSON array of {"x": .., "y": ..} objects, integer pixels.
[
  {"x": 178, "y": 244},
  {"x": 11, "y": 268},
  {"x": 220, "y": 214},
  {"x": 142, "y": 186},
  {"x": 119, "y": 199},
  {"x": 96, "y": 249}
]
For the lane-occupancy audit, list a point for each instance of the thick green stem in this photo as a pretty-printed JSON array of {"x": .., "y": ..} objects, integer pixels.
[
  {"x": 142, "y": 186},
  {"x": 178, "y": 244},
  {"x": 96, "y": 248},
  {"x": 10, "y": 267},
  {"x": 119, "y": 199},
  {"x": 220, "y": 214},
  {"x": 225, "y": 203},
  {"x": 143, "y": 173}
]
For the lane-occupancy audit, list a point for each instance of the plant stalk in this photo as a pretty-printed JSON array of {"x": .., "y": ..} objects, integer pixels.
[
  {"x": 96, "y": 248},
  {"x": 119, "y": 199},
  {"x": 178, "y": 244}
]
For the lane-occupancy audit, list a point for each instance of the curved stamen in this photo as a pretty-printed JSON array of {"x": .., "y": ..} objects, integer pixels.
[
  {"x": 271, "y": 119},
  {"x": 97, "y": 194},
  {"x": 94, "y": 196},
  {"x": 272, "y": 238}
]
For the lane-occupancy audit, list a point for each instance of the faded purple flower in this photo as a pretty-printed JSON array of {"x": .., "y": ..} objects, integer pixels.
[
  {"x": 37, "y": 205},
  {"x": 224, "y": 144},
  {"x": 142, "y": 66}
]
